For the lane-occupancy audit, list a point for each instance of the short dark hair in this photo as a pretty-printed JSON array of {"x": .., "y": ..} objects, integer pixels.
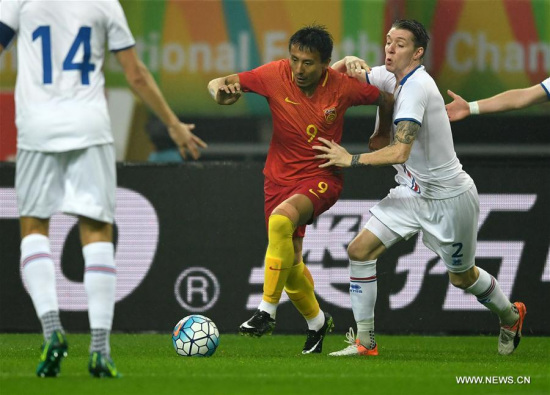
[
  {"x": 313, "y": 38},
  {"x": 420, "y": 35}
]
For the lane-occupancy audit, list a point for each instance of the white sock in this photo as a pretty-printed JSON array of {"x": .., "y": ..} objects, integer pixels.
[
  {"x": 39, "y": 273},
  {"x": 270, "y": 308},
  {"x": 363, "y": 291},
  {"x": 100, "y": 283},
  {"x": 316, "y": 323},
  {"x": 487, "y": 291}
]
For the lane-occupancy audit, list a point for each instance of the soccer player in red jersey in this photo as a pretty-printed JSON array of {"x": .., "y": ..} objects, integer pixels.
[{"x": 307, "y": 100}]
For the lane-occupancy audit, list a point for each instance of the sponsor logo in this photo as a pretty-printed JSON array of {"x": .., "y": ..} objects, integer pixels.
[
  {"x": 355, "y": 289},
  {"x": 291, "y": 102},
  {"x": 312, "y": 192}
]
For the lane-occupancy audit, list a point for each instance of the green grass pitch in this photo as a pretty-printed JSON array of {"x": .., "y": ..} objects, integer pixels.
[{"x": 274, "y": 365}]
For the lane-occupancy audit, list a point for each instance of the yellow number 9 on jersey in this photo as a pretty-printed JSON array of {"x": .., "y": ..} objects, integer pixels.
[{"x": 311, "y": 131}]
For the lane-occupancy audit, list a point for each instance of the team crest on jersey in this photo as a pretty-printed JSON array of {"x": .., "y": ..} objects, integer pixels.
[{"x": 330, "y": 115}]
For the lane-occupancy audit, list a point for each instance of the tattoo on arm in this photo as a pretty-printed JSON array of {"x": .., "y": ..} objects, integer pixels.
[
  {"x": 406, "y": 132},
  {"x": 382, "y": 99}
]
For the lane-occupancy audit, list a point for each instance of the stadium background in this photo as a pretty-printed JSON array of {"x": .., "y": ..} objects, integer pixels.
[{"x": 190, "y": 237}]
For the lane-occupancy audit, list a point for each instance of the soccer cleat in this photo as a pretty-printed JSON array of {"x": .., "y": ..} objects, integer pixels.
[
  {"x": 314, "y": 340},
  {"x": 100, "y": 366},
  {"x": 260, "y": 324},
  {"x": 510, "y": 336},
  {"x": 53, "y": 352},
  {"x": 355, "y": 347}
]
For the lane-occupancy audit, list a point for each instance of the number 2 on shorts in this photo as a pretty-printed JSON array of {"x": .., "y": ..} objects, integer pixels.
[{"x": 457, "y": 256}]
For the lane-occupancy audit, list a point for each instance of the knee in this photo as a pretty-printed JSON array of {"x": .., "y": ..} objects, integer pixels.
[
  {"x": 365, "y": 247},
  {"x": 32, "y": 225},
  {"x": 464, "y": 280},
  {"x": 358, "y": 252},
  {"x": 287, "y": 210},
  {"x": 458, "y": 282},
  {"x": 92, "y": 231},
  {"x": 280, "y": 226}
]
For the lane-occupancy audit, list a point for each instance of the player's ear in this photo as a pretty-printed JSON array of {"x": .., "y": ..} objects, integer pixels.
[{"x": 418, "y": 53}]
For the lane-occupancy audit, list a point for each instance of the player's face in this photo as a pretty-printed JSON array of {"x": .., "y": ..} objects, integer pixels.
[
  {"x": 307, "y": 68},
  {"x": 401, "y": 55}
]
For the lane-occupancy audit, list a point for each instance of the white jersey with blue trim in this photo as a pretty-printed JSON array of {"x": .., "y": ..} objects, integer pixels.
[
  {"x": 546, "y": 86},
  {"x": 433, "y": 169},
  {"x": 59, "y": 94}
]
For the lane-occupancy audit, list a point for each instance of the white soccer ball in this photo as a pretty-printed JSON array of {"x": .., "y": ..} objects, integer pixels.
[{"x": 195, "y": 336}]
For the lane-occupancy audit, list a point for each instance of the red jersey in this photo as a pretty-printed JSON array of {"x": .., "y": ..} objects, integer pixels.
[{"x": 298, "y": 120}]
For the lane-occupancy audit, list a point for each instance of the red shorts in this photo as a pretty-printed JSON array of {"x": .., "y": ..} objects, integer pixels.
[{"x": 321, "y": 190}]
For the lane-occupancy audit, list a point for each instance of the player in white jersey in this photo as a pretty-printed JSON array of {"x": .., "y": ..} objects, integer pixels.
[
  {"x": 434, "y": 194},
  {"x": 65, "y": 158},
  {"x": 512, "y": 99}
]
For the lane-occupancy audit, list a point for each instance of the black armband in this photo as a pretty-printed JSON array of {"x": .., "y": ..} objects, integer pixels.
[{"x": 355, "y": 160}]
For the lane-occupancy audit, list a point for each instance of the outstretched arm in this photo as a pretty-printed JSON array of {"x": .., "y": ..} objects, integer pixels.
[
  {"x": 397, "y": 152},
  {"x": 513, "y": 99},
  {"x": 358, "y": 69},
  {"x": 382, "y": 136},
  {"x": 143, "y": 84},
  {"x": 225, "y": 90}
]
